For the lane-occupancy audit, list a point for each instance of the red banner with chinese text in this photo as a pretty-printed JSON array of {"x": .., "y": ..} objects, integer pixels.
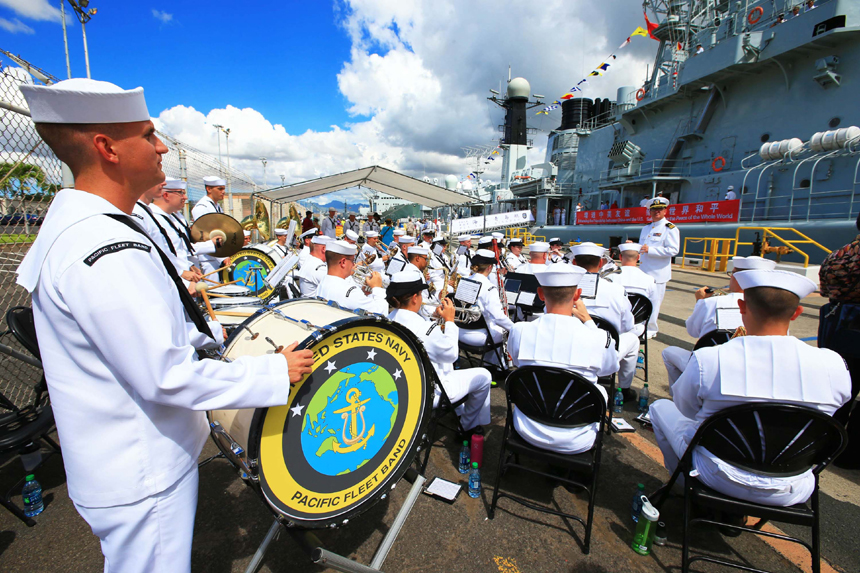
[{"x": 707, "y": 212}]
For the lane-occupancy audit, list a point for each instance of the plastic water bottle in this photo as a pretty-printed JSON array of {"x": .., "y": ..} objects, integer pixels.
[
  {"x": 475, "y": 481},
  {"x": 643, "y": 399},
  {"x": 618, "y": 406},
  {"x": 640, "y": 361},
  {"x": 32, "y": 495},
  {"x": 465, "y": 458},
  {"x": 636, "y": 506},
  {"x": 645, "y": 528}
]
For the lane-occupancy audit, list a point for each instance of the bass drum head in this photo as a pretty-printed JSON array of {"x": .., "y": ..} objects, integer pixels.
[
  {"x": 251, "y": 265},
  {"x": 351, "y": 428}
]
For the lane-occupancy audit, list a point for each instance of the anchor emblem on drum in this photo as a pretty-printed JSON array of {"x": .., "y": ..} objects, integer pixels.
[{"x": 350, "y": 416}]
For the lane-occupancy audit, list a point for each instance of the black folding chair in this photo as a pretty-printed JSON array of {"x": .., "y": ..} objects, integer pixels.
[
  {"x": 443, "y": 408},
  {"x": 21, "y": 426},
  {"x": 714, "y": 338},
  {"x": 779, "y": 440},
  {"x": 608, "y": 381},
  {"x": 474, "y": 354},
  {"x": 563, "y": 399},
  {"x": 642, "y": 308}
]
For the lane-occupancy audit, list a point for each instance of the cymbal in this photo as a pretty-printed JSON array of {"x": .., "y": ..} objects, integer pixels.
[{"x": 214, "y": 225}]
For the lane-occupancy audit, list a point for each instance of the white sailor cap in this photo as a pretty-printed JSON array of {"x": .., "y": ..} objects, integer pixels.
[
  {"x": 515, "y": 242},
  {"x": 555, "y": 241},
  {"x": 340, "y": 247},
  {"x": 559, "y": 275},
  {"x": 484, "y": 257},
  {"x": 309, "y": 232},
  {"x": 730, "y": 188},
  {"x": 351, "y": 235},
  {"x": 407, "y": 240},
  {"x": 464, "y": 238},
  {"x": 371, "y": 234},
  {"x": 399, "y": 232},
  {"x": 658, "y": 203},
  {"x": 629, "y": 247},
  {"x": 212, "y": 181},
  {"x": 587, "y": 249},
  {"x": 539, "y": 247},
  {"x": 320, "y": 239},
  {"x": 488, "y": 240},
  {"x": 247, "y": 233},
  {"x": 785, "y": 280},
  {"x": 428, "y": 232},
  {"x": 281, "y": 232},
  {"x": 82, "y": 100},
  {"x": 406, "y": 282},
  {"x": 498, "y": 236},
  {"x": 439, "y": 239},
  {"x": 750, "y": 263},
  {"x": 419, "y": 251},
  {"x": 171, "y": 183}
]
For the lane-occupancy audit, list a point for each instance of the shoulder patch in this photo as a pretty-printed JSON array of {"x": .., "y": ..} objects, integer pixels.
[
  {"x": 115, "y": 248},
  {"x": 670, "y": 225},
  {"x": 609, "y": 341},
  {"x": 350, "y": 290},
  {"x": 434, "y": 325}
]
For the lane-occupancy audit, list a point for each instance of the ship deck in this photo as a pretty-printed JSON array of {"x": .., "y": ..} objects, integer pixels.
[{"x": 232, "y": 520}]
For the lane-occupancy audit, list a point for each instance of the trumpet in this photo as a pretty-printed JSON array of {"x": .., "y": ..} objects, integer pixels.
[
  {"x": 361, "y": 273},
  {"x": 461, "y": 313},
  {"x": 715, "y": 291}
]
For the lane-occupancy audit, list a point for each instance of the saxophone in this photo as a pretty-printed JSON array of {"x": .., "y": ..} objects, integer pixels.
[
  {"x": 444, "y": 292},
  {"x": 739, "y": 331},
  {"x": 431, "y": 288}
]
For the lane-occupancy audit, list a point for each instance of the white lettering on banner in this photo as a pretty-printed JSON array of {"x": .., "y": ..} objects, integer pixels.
[{"x": 496, "y": 220}]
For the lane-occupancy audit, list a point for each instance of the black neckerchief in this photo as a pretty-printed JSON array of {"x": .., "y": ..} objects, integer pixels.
[
  {"x": 160, "y": 228},
  {"x": 183, "y": 236},
  {"x": 191, "y": 308}
]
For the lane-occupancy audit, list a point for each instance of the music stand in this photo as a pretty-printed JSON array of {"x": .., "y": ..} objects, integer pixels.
[{"x": 525, "y": 296}]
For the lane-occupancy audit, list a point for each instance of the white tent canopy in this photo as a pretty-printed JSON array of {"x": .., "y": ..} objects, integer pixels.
[{"x": 377, "y": 178}]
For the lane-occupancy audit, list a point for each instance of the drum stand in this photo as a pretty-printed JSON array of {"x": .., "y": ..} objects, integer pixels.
[{"x": 321, "y": 556}]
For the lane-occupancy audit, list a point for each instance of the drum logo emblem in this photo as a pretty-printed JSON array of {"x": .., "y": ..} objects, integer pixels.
[{"x": 350, "y": 416}]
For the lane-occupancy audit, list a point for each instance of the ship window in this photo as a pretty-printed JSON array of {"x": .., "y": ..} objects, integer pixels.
[
  {"x": 745, "y": 190},
  {"x": 765, "y": 137},
  {"x": 834, "y": 122},
  {"x": 633, "y": 121},
  {"x": 804, "y": 184}
]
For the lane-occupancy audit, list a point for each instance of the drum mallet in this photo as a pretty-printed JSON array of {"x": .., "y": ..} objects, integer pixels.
[{"x": 201, "y": 288}]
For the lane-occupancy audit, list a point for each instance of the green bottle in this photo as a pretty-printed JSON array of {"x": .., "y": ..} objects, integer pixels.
[{"x": 645, "y": 528}]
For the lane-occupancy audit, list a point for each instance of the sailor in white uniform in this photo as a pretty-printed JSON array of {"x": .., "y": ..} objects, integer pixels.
[
  {"x": 163, "y": 208},
  {"x": 555, "y": 255},
  {"x": 660, "y": 241},
  {"x": 370, "y": 251},
  {"x": 583, "y": 349},
  {"x": 441, "y": 342},
  {"x": 704, "y": 318},
  {"x": 148, "y": 221},
  {"x": 281, "y": 245},
  {"x": 339, "y": 287},
  {"x": 436, "y": 264},
  {"x": 305, "y": 240},
  {"x": 399, "y": 261},
  {"x": 128, "y": 392},
  {"x": 490, "y": 305},
  {"x": 427, "y": 238},
  {"x": 515, "y": 258},
  {"x": 210, "y": 203},
  {"x": 609, "y": 301},
  {"x": 632, "y": 278},
  {"x": 766, "y": 365},
  {"x": 464, "y": 258},
  {"x": 538, "y": 252},
  {"x": 314, "y": 269},
  {"x": 351, "y": 237},
  {"x": 352, "y": 225},
  {"x": 328, "y": 227}
]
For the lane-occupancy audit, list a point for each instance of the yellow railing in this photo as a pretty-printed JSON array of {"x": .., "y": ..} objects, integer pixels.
[
  {"x": 715, "y": 250},
  {"x": 790, "y": 243}
]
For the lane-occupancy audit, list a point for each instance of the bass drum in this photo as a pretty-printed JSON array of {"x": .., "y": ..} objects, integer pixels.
[
  {"x": 351, "y": 427},
  {"x": 251, "y": 265}
]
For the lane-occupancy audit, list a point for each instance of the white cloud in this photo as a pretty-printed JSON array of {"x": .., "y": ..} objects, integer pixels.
[
  {"x": 163, "y": 16},
  {"x": 417, "y": 79},
  {"x": 14, "y": 26},
  {"x": 35, "y": 9}
]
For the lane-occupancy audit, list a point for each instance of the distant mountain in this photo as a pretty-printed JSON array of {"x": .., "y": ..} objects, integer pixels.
[{"x": 339, "y": 205}]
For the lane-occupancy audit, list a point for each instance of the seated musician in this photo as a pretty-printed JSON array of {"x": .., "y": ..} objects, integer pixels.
[
  {"x": 704, "y": 317},
  {"x": 338, "y": 286},
  {"x": 314, "y": 268},
  {"x": 632, "y": 278},
  {"x": 400, "y": 259},
  {"x": 464, "y": 261},
  {"x": 515, "y": 258},
  {"x": 766, "y": 365},
  {"x": 583, "y": 349},
  {"x": 305, "y": 239},
  {"x": 555, "y": 255},
  {"x": 490, "y": 305},
  {"x": 610, "y": 303},
  {"x": 351, "y": 236},
  {"x": 441, "y": 342},
  {"x": 281, "y": 244},
  {"x": 372, "y": 250},
  {"x": 538, "y": 252}
]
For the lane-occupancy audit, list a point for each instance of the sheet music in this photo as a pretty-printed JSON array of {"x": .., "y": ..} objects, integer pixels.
[
  {"x": 291, "y": 232},
  {"x": 526, "y": 298},
  {"x": 729, "y": 318},
  {"x": 588, "y": 284},
  {"x": 279, "y": 273},
  {"x": 438, "y": 249},
  {"x": 394, "y": 267},
  {"x": 443, "y": 488},
  {"x": 512, "y": 286},
  {"x": 462, "y": 250},
  {"x": 468, "y": 291}
]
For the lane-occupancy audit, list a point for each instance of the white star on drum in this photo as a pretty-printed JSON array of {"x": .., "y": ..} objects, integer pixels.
[
  {"x": 330, "y": 366},
  {"x": 297, "y": 410},
  {"x": 397, "y": 374},
  {"x": 371, "y": 355}
]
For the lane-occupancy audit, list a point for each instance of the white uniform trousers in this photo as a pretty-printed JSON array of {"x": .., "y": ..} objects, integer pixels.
[
  {"x": 671, "y": 428},
  {"x": 152, "y": 535},
  {"x": 628, "y": 353},
  {"x": 474, "y": 382},
  {"x": 656, "y": 301},
  {"x": 478, "y": 337},
  {"x": 675, "y": 360}
]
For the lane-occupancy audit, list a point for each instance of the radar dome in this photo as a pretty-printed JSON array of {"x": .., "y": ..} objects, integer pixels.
[
  {"x": 519, "y": 88},
  {"x": 451, "y": 182}
]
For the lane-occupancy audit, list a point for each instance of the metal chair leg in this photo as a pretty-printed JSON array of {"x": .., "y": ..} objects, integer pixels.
[
  {"x": 646, "y": 357},
  {"x": 16, "y": 511},
  {"x": 685, "y": 550},
  {"x": 816, "y": 539}
]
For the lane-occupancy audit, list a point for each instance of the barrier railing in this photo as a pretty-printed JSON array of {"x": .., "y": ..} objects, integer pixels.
[
  {"x": 715, "y": 250},
  {"x": 771, "y": 232}
]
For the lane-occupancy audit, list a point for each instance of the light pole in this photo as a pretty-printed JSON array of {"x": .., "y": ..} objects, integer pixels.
[
  {"x": 264, "y": 160},
  {"x": 65, "y": 38},
  {"x": 229, "y": 171},
  {"x": 84, "y": 16},
  {"x": 220, "y": 163},
  {"x": 283, "y": 179}
]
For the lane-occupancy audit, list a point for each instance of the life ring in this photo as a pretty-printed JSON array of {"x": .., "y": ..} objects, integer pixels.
[
  {"x": 719, "y": 160},
  {"x": 640, "y": 94},
  {"x": 755, "y": 15}
]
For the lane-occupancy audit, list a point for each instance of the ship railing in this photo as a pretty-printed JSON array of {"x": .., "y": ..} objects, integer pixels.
[
  {"x": 649, "y": 169},
  {"x": 795, "y": 238},
  {"x": 715, "y": 250}
]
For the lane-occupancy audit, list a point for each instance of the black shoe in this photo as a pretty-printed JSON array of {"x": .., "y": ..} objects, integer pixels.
[
  {"x": 467, "y": 435},
  {"x": 630, "y": 396},
  {"x": 732, "y": 519}
]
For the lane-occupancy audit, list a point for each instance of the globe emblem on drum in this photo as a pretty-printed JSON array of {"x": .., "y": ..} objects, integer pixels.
[{"x": 349, "y": 418}]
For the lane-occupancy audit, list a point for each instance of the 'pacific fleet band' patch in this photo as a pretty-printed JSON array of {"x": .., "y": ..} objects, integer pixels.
[{"x": 115, "y": 248}]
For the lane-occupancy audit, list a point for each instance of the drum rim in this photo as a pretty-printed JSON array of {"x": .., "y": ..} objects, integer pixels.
[
  {"x": 410, "y": 452},
  {"x": 227, "y": 274}
]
